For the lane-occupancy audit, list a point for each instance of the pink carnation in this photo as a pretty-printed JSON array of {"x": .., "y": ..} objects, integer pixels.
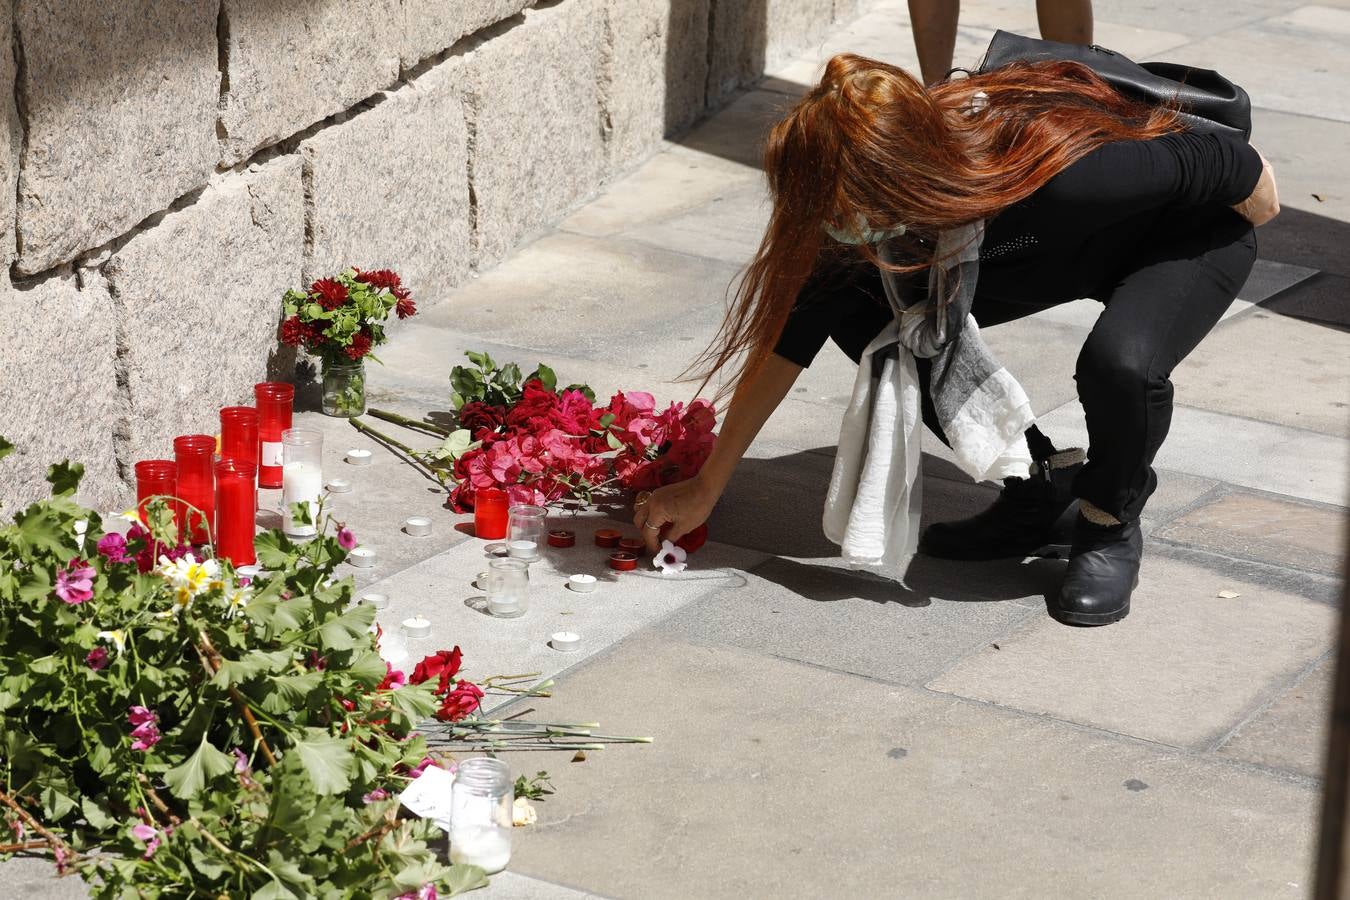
[{"x": 75, "y": 583}]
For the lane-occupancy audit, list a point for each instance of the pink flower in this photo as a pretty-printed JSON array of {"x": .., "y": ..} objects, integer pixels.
[
  {"x": 75, "y": 583},
  {"x": 375, "y": 795},
  {"x": 425, "y": 892},
  {"x": 144, "y": 728},
  {"x": 241, "y": 766},
  {"x": 113, "y": 547},
  {"x": 346, "y": 539},
  {"x": 97, "y": 658},
  {"x": 149, "y": 836},
  {"x": 393, "y": 679},
  {"x": 426, "y": 763}
]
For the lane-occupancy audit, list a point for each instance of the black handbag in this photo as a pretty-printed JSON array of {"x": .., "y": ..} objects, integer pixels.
[{"x": 1208, "y": 101}]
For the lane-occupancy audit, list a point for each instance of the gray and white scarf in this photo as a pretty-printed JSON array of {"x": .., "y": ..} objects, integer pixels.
[{"x": 872, "y": 508}]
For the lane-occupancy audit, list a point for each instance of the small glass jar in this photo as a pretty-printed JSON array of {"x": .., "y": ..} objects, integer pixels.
[
  {"x": 489, "y": 513},
  {"x": 239, "y": 435},
  {"x": 236, "y": 511},
  {"x": 275, "y": 401},
  {"x": 525, "y": 532},
  {"x": 508, "y": 588},
  {"x": 196, "y": 486},
  {"x": 480, "y": 814},
  {"x": 154, "y": 478},
  {"x": 344, "y": 389},
  {"x": 301, "y": 478}
]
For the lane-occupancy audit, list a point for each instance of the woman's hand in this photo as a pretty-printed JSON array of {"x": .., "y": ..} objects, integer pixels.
[
  {"x": 683, "y": 507},
  {"x": 1264, "y": 202}
]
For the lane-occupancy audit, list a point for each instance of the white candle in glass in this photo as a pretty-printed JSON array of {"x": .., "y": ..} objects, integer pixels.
[
  {"x": 483, "y": 846},
  {"x": 523, "y": 549},
  {"x": 301, "y": 482}
]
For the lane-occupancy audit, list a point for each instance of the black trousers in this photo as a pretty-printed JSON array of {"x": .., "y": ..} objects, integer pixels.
[{"x": 1169, "y": 293}]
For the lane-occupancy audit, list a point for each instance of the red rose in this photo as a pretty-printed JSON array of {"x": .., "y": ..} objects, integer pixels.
[
  {"x": 476, "y": 414},
  {"x": 463, "y": 700},
  {"x": 331, "y": 294},
  {"x": 536, "y": 401},
  {"x": 437, "y": 664}
]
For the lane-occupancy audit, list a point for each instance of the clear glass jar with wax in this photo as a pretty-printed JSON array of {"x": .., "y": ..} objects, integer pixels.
[
  {"x": 480, "y": 817},
  {"x": 301, "y": 478}
]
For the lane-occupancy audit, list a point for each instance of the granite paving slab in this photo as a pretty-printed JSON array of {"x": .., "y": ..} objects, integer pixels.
[
  {"x": 1273, "y": 368},
  {"x": 441, "y": 589},
  {"x": 1182, "y": 669},
  {"x": 770, "y": 778},
  {"x": 728, "y": 227},
  {"x": 1324, "y": 300},
  {"x": 1291, "y": 733},
  {"x": 737, "y": 132},
  {"x": 1241, "y": 451},
  {"x": 1199, "y": 19},
  {"x": 1306, "y": 152},
  {"x": 1267, "y": 529},
  {"x": 510, "y": 886}
]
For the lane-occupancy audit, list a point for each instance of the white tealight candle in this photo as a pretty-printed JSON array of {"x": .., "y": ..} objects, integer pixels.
[
  {"x": 359, "y": 457},
  {"x": 417, "y": 526},
  {"x": 566, "y": 641},
  {"x": 301, "y": 482},
  {"x": 523, "y": 549},
  {"x": 379, "y": 601},
  {"x": 339, "y": 486},
  {"x": 416, "y": 627},
  {"x": 362, "y": 557},
  {"x": 582, "y": 584}
]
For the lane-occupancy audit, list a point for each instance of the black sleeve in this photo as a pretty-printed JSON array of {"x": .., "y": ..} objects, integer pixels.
[
  {"x": 845, "y": 302},
  {"x": 1184, "y": 169}
]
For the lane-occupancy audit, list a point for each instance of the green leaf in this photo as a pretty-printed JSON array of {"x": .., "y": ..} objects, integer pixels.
[
  {"x": 274, "y": 890},
  {"x": 64, "y": 477},
  {"x": 367, "y": 668},
  {"x": 255, "y": 662},
  {"x": 187, "y": 779},
  {"x": 295, "y": 689},
  {"x": 464, "y": 878},
  {"x": 55, "y": 803},
  {"x": 456, "y": 445},
  {"x": 40, "y": 530},
  {"x": 347, "y": 630},
  {"x": 478, "y": 359},
  {"x": 415, "y": 701},
  {"x": 585, "y": 391},
  {"x": 612, "y": 439},
  {"x": 547, "y": 376},
  {"x": 326, "y": 760},
  {"x": 274, "y": 550},
  {"x": 6, "y": 448},
  {"x": 95, "y": 815}
]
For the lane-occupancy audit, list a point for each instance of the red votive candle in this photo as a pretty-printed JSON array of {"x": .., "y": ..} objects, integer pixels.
[
  {"x": 239, "y": 435},
  {"x": 489, "y": 513},
  {"x": 607, "y": 537},
  {"x": 275, "y": 402},
  {"x": 561, "y": 537},
  {"x": 154, "y": 478},
  {"x": 632, "y": 545},
  {"x": 622, "y": 562},
  {"x": 196, "y": 486},
  {"x": 236, "y": 509}
]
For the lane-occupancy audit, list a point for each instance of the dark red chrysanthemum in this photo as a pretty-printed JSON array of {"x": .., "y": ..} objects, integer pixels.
[
  {"x": 332, "y": 294},
  {"x": 405, "y": 307},
  {"x": 294, "y": 332},
  {"x": 360, "y": 345},
  {"x": 380, "y": 278}
]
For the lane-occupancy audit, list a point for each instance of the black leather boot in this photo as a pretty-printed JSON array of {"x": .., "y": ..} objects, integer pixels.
[
  {"x": 1103, "y": 571},
  {"x": 1024, "y": 520}
]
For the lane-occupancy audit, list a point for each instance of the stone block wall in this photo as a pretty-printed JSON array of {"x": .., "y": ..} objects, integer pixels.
[{"x": 168, "y": 169}]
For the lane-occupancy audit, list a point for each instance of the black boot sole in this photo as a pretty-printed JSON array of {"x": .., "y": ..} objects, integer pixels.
[
  {"x": 1046, "y": 551},
  {"x": 1091, "y": 619}
]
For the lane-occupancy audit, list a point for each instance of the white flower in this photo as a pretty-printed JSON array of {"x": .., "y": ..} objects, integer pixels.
[
  {"x": 117, "y": 638},
  {"x": 235, "y": 601},
  {"x": 189, "y": 577},
  {"x": 522, "y": 813},
  {"x": 670, "y": 559}
]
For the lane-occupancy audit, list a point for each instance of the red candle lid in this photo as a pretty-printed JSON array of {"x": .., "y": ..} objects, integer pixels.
[
  {"x": 607, "y": 537},
  {"x": 632, "y": 545},
  {"x": 622, "y": 562},
  {"x": 562, "y": 538}
]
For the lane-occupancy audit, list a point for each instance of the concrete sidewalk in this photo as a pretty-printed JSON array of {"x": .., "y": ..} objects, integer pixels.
[{"x": 820, "y": 733}]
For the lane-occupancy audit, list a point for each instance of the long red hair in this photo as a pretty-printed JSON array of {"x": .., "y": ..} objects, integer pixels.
[{"x": 871, "y": 143}]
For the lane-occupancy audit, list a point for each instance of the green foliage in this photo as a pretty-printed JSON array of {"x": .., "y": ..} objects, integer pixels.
[
  {"x": 486, "y": 382},
  {"x": 535, "y": 788},
  {"x": 332, "y": 331},
  {"x": 267, "y": 731}
]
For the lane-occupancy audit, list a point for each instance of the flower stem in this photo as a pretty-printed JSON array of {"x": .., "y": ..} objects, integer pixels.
[
  {"x": 406, "y": 422},
  {"x": 210, "y": 659},
  {"x": 412, "y": 455}
]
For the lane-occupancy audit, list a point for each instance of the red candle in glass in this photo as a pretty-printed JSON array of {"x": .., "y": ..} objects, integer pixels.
[
  {"x": 239, "y": 435},
  {"x": 196, "y": 486},
  {"x": 236, "y": 509},
  {"x": 275, "y": 401},
  {"x": 489, "y": 513},
  {"x": 154, "y": 478}
]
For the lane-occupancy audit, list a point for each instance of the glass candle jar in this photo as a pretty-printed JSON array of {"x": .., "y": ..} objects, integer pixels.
[
  {"x": 480, "y": 814},
  {"x": 275, "y": 401},
  {"x": 302, "y": 478},
  {"x": 236, "y": 510},
  {"x": 154, "y": 478},
  {"x": 508, "y": 588},
  {"x": 525, "y": 531},
  {"x": 489, "y": 513},
  {"x": 196, "y": 486},
  {"x": 239, "y": 435}
]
